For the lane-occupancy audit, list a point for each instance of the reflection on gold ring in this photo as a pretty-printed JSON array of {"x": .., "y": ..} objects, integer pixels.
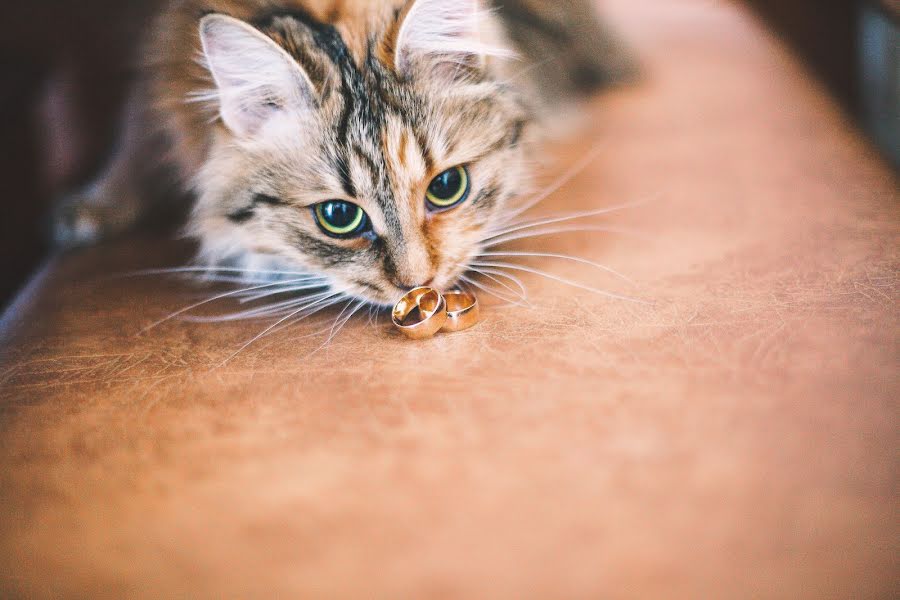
[
  {"x": 463, "y": 311},
  {"x": 420, "y": 313}
]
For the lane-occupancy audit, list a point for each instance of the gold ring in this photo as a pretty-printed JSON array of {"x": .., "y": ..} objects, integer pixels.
[
  {"x": 462, "y": 311},
  {"x": 432, "y": 313}
]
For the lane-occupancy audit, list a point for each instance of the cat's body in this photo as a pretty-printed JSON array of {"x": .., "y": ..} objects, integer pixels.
[{"x": 291, "y": 120}]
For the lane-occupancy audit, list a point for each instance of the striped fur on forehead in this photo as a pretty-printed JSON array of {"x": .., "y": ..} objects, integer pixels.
[{"x": 374, "y": 103}]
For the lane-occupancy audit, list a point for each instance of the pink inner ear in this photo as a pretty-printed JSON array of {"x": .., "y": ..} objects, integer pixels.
[
  {"x": 444, "y": 31},
  {"x": 255, "y": 78}
]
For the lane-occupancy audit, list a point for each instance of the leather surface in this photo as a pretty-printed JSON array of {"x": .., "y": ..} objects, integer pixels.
[{"x": 734, "y": 437}]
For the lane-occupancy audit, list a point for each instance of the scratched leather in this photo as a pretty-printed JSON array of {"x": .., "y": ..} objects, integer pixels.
[{"x": 733, "y": 437}]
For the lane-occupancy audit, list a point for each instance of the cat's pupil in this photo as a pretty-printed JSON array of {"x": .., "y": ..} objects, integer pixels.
[
  {"x": 341, "y": 219},
  {"x": 340, "y": 214},
  {"x": 446, "y": 185}
]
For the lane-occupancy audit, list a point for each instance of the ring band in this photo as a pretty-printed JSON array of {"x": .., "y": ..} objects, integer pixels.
[
  {"x": 463, "y": 311},
  {"x": 432, "y": 309}
]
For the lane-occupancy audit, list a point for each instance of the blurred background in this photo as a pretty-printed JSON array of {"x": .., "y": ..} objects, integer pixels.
[{"x": 65, "y": 68}]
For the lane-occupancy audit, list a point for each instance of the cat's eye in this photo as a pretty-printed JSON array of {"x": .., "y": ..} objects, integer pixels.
[
  {"x": 341, "y": 219},
  {"x": 449, "y": 188}
]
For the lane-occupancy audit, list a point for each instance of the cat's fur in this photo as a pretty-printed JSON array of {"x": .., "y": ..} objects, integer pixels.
[{"x": 268, "y": 107}]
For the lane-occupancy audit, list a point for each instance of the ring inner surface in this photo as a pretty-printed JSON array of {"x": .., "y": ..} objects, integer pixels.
[
  {"x": 416, "y": 308},
  {"x": 428, "y": 304},
  {"x": 459, "y": 301}
]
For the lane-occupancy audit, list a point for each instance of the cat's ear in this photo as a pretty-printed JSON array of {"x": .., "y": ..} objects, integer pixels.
[
  {"x": 442, "y": 33},
  {"x": 255, "y": 78}
]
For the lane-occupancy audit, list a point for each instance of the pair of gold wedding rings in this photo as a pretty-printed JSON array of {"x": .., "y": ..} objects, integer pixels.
[{"x": 424, "y": 311}]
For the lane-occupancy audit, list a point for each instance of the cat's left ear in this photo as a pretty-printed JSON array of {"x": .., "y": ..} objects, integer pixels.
[
  {"x": 442, "y": 33},
  {"x": 255, "y": 77}
]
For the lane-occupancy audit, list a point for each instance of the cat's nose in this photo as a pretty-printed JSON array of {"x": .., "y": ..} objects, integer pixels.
[{"x": 410, "y": 266}]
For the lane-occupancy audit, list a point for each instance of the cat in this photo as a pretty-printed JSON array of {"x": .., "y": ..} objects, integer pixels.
[{"x": 371, "y": 145}]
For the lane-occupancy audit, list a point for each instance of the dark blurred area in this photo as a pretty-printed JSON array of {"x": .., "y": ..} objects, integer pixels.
[{"x": 65, "y": 68}]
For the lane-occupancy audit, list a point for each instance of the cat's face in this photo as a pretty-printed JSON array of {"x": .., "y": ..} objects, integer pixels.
[{"x": 380, "y": 172}]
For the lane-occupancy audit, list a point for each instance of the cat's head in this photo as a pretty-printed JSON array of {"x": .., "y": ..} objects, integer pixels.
[{"x": 378, "y": 158}]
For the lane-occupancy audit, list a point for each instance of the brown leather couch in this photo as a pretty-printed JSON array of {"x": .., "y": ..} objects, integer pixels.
[{"x": 733, "y": 437}]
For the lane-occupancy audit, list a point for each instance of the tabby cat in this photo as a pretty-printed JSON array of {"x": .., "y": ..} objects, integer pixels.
[{"x": 372, "y": 144}]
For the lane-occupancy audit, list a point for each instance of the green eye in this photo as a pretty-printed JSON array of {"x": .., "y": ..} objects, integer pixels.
[
  {"x": 341, "y": 219},
  {"x": 449, "y": 188}
]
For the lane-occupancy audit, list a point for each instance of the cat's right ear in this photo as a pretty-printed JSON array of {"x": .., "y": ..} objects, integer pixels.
[
  {"x": 255, "y": 78},
  {"x": 441, "y": 34}
]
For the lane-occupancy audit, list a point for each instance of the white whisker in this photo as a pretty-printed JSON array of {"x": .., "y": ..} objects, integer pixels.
[
  {"x": 211, "y": 270},
  {"x": 336, "y": 328},
  {"x": 561, "y": 219},
  {"x": 341, "y": 314},
  {"x": 303, "y": 283},
  {"x": 379, "y": 311},
  {"x": 558, "y": 279},
  {"x": 489, "y": 274},
  {"x": 267, "y": 311},
  {"x": 207, "y": 301},
  {"x": 287, "y": 290},
  {"x": 271, "y": 328},
  {"x": 231, "y": 280},
  {"x": 491, "y": 292},
  {"x": 512, "y": 237},
  {"x": 518, "y": 282},
  {"x": 565, "y": 178},
  {"x": 355, "y": 310},
  {"x": 309, "y": 315},
  {"x": 576, "y": 259}
]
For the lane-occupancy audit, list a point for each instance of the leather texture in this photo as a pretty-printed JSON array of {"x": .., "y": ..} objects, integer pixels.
[{"x": 733, "y": 437}]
